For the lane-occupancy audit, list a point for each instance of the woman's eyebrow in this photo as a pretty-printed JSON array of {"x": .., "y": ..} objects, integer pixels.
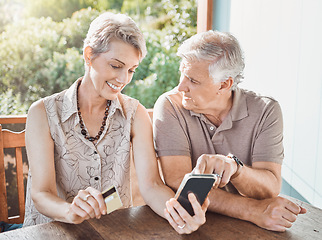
[
  {"x": 123, "y": 62},
  {"x": 118, "y": 61}
]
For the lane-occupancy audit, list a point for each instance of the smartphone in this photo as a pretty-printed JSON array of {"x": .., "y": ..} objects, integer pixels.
[
  {"x": 199, "y": 184},
  {"x": 112, "y": 199}
]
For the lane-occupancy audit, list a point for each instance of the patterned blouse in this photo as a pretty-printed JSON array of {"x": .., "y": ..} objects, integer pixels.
[{"x": 78, "y": 162}]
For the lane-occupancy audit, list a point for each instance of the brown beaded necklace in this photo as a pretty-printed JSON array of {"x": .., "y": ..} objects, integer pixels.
[{"x": 83, "y": 131}]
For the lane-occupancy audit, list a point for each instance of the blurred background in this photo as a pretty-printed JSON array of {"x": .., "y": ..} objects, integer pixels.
[{"x": 41, "y": 46}]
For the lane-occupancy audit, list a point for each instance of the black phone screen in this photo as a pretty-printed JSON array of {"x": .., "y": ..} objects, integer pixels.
[{"x": 200, "y": 187}]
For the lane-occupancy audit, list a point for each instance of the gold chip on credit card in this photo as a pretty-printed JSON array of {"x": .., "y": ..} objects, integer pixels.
[{"x": 112, "y": 199}]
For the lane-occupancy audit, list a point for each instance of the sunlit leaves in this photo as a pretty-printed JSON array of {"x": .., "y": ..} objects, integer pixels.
[{"x": 40, "y": 56}]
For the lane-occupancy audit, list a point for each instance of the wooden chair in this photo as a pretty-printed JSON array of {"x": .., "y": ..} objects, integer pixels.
[{"x": 16, "y": 140}]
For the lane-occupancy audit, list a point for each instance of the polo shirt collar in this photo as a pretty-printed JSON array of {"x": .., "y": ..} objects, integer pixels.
[
  {"x": 237, "y": 112},
  {"x": 239, "y": 108},
  {"x": 70, "y": 104}
]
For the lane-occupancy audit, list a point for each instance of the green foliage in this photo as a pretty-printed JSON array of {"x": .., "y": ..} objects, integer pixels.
[
  {"x": 159, "y": 71},
  {"x": 8, "y": 11},
  {"x": 60, "y": 72},
  {"x": 37, "y": 58},
  {"x": 40, "y": 56},
  {"x": 62, "y": 9},
  {"x": 24, "y": 48},
  {"x": 164, "y": 78},
  {"x": 142, "y": 8},
  {"x": 56, "y": 9},
  {"x": 111, "y": 4},
  {"x": 183, "y": 15},
  {"x": 76, "y": 27},
  {"x": 11, "y": 104}
]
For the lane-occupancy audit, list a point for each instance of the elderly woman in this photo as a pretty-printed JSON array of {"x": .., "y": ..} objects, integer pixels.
[{"x": 78, "y": 141}]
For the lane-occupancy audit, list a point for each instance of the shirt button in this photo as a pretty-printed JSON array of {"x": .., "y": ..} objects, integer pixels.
[
  {"x": 96, "y": 178},
  {"x": 212, "y": 128}
]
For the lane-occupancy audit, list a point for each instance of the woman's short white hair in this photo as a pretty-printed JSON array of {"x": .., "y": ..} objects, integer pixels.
[
  {"x": 109, "y": 26},
  {"x": 223, "y": 52}
]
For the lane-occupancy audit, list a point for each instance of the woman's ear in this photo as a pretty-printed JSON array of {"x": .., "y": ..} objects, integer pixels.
[{"x": 87, "y": 55}]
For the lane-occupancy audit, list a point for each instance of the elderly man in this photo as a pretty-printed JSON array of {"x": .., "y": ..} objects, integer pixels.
[{"x": 210, "y": 124}]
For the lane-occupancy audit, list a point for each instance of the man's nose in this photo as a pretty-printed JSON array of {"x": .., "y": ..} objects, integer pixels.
[{"x": 182, "y": 87}]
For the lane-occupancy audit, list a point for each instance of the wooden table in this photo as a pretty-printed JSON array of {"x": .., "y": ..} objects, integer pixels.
[{"x": 142, "y": 223}]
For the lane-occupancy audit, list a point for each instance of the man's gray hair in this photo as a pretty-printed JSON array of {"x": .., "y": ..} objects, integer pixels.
[
  {"x": 109, "y": 26},
  {"x": 223, "y": 52}
]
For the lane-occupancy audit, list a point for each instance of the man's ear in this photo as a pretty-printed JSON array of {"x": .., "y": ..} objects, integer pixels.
[
  {"x": 87, "y": 55},
  {"x": 226, "y": 85}
]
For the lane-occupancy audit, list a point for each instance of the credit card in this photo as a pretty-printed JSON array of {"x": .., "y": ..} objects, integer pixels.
[{"x": 112, "y": 199}]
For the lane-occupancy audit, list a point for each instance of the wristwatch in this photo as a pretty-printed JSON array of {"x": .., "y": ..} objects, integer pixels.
[{"x": 240, "y": 165}]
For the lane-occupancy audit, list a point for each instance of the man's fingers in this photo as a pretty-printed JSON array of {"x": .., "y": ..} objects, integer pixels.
[
  {"x": 289, "y": 216},
  {"x": 292, "y": 207},
  {"x": 224, "y": 179},
  {"x": 278, "y": 228},
  {"x": 303, "y": 210},
  {"x": 200, "y": 166}
]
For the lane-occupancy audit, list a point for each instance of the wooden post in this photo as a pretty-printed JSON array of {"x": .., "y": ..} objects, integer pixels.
[
  {"x": 3, "y": 189},
  {"x": 204, "y": 15}
]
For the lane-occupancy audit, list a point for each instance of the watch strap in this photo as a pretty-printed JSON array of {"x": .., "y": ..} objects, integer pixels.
[{"x": 239, "y": 163}]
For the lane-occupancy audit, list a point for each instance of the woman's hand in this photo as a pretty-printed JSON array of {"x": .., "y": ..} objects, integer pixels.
[
  {"x": 181, "y": 220},
  {"x": 88, "y": 203}
]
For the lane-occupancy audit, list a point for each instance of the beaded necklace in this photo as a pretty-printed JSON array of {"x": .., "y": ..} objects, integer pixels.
[{"x": 83, "y": 131}]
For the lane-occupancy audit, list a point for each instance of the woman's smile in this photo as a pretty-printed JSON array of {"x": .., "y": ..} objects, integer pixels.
[{"x": 114, "y": 87}]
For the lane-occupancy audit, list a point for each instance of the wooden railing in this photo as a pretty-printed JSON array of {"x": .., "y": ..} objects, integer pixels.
[{"x": 10, "y": 119}]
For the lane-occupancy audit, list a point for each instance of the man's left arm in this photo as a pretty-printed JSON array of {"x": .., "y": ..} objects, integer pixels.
[{"x": 263, "y": 178}]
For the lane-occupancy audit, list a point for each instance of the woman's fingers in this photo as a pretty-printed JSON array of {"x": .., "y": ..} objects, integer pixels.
[
  {"x": 181, "y": 220},
  {"x": 97, "y": 195},
  {"x": 179, "y": 228},
  {"x": 84, "y": 205},
  {"x": 91, "y": 202}
]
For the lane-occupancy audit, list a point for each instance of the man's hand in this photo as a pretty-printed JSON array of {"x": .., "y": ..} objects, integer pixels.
[
  {"x": 224, "y": 167},
  {"x": 181, "y": 220},
  {"x": 276, "y": 214}
]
